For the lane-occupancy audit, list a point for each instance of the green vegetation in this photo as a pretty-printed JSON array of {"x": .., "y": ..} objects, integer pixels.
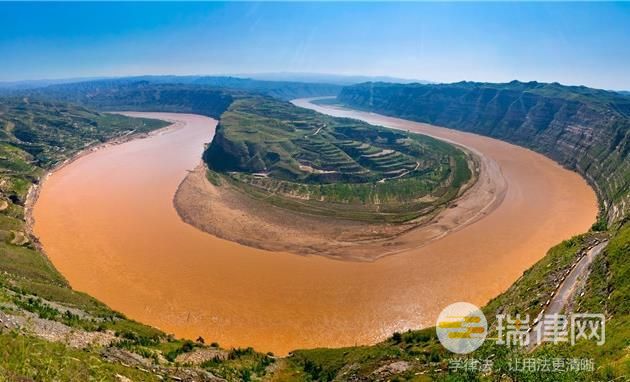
[
  {"x": 45, "y": 133},
  {"x": 240, "y": 365},
  {"x": 25, "y": 358},
  {"x": 607, "y": 291},
  {"x": 302, "y": 160}
]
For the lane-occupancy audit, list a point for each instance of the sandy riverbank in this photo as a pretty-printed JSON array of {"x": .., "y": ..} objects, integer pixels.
[
  {"x": 108, "y": 223},
  {"x": 226, "y": 212}
]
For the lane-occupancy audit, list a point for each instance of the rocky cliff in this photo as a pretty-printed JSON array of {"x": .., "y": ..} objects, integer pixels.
[{"x": 584, "y": 129}]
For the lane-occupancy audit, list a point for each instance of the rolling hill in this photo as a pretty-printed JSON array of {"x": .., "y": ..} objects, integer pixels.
[{"x": 303, "y": 160}]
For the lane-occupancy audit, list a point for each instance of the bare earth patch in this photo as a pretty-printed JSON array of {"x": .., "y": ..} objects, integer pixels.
[{"x": 201, "y": 355}]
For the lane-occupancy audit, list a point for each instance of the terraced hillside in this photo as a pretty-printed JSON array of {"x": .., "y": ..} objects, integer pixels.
[
  {"x": 584, "y": 129},
  {"x": 302, "y": 160}
]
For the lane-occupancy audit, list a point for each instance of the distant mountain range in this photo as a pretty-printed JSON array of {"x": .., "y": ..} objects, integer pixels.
[
  {"x": 338, "y": 79},
  {"x": 93, "y": 92},
  {"x": 233, "y": 81},
  {"x": 34, "y": 84}
]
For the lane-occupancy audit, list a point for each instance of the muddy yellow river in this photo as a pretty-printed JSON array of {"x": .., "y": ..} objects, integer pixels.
[{"x": 107, "y": 222}]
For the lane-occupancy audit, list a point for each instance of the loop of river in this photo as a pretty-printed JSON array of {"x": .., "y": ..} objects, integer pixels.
[{"x": 107, "y": 222}]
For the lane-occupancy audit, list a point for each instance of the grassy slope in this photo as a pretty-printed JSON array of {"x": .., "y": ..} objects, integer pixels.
[
  {"x": 332, "y": 166},
  {"x": 29, "y": 357}
]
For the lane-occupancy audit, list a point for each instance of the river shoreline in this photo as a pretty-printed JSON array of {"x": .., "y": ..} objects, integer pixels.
[{"x": 34, "y": 190}]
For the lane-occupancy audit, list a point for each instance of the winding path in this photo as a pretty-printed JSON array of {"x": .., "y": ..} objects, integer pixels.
[{"x": 566, "y": 290}]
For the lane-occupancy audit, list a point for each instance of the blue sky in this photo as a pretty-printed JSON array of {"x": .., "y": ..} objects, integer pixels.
[{"x": 572, "y": 43}]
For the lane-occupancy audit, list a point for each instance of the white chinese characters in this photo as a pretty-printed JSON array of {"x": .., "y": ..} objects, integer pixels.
[{"x": 550, "y": 328}]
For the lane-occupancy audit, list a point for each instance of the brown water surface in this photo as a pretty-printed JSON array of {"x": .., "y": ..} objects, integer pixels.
[{"x": 108, "y": 224}]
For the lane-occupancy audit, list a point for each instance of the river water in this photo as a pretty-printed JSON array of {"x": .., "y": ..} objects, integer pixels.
[{"x": 107, "y": 222}]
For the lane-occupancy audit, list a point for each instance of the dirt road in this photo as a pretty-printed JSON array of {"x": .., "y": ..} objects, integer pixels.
[{"x": 565, "y": 292}]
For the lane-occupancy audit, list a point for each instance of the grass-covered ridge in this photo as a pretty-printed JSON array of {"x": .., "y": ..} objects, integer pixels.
[
  {"x": 584, "y": 129},
  {"x": 303, "y": 160}
]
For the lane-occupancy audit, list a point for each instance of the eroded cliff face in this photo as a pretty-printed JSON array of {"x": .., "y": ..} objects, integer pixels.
[
  {"x": 583, "y": 129},
  {"x": 225, "y": 154}
]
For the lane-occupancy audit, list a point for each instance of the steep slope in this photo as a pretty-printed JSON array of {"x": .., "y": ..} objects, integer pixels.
[{"x": 584, "y": 129}]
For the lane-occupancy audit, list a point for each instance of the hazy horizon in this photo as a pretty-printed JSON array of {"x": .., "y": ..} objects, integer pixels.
[
  {"x": 573, "y": 44},
  {"x": 265, "y": 76}
]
